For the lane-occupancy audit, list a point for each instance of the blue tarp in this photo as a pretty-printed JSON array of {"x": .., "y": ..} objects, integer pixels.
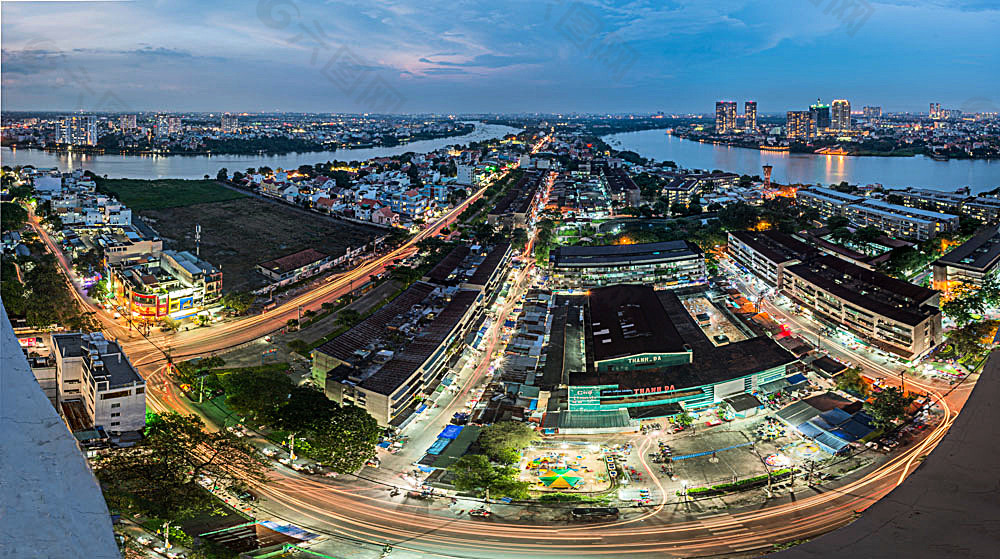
[
  {"x": 808, "y": 430},
  {"x": 533, "y": 405},
  {"x": 830, "y": 443},
  {"x": 425, "y": 469},
  {"x": 421, "y": 408},
  {"x": 796, "y": 378},
  {"x": 836, "y": 416},
  {"x": 450, "y": 432},
  {"x": 384, "y": 444},
  {"x": 853, "y": 430},
  {"x": 446, "y": 381},
  {"x": 438, "y": 446}
]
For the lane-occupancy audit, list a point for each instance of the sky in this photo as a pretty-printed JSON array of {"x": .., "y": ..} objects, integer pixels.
[{"x": 459, "y": 56}]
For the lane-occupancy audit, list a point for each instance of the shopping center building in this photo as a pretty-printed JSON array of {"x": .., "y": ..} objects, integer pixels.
[
  {"x": 669, "y": 264},
  {"x": 636, "y": 354}
]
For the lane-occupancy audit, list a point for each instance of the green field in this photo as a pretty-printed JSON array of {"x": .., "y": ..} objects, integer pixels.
[{"x": 165, "y": 193}]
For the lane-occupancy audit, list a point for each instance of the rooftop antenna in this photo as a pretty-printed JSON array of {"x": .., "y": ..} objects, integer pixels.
[{"x": 197, "y": 240}]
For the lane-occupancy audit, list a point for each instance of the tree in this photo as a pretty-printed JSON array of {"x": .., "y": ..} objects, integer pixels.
[
  {"x": 737, "y": 217},
  {"x": 238, "y": 301},
  {"x": 887, "y": 407},
  {"x": 12, "y": 216},
  {"x": 685, "y": 419},
  {"x": 306, "y": 408},
  {"x": 837, "y": 221},
  {"x": 474, "y": 472},
  {"x": 258, "y": 395},
  {"x": 965, "y": 307},
  {"x": 348, "y": 317},
  {"x": 346, "y": 441},
  {"x": 159, "y": 477},
  {"x": 503, "y": 441},
  {"x": 678, "y": 209},
  {"x": 973, "y": 338},
  {"x": 519, "y": 238},
  {"x": 851, "y": 381},
  {"x": 222, "y": 175}
]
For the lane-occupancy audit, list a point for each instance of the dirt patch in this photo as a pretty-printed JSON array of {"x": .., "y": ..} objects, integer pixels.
[{"x": 236, "y": 235}]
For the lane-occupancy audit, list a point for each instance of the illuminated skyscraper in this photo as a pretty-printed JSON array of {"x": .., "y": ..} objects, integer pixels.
[
  {"x": 820, "y": 116},
  {"x": 78, "y": 130},
  {"x": 935, "y": 111},
  {"x": 873, "y": 112},
  {"x": 725, "y": 116},
  {"x": 750, "y": 109},
  {"x": 127, "y": 122},
  {"x": 230, "y": 123},
  {"x": 798, "y": 124},
  {"x": 841, "y": 115}
]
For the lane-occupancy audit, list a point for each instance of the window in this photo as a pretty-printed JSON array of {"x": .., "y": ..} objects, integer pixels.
[
  {"x": 115, "y": 423},
  {"x": 116, "y": 414},
  {"x": 118, "y": 405},
  {"x": 140, "y": 390},
  {"x": 119, "y": 394}
]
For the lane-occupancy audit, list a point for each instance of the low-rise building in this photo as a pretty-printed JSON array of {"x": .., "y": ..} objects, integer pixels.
[
  {"x": 94, "y": 373},
  {"x": 296, "y": 266},
  {"x": 766, "y": 254},
  {"x": 894, "y": 315},
  {"x": 829, "y": 202},
  {"x": 973, "y": 262},
  {"x": 901, "y": 221},
  {"x": 175, "y": 284},
  {"x": 669, "y": 264}
]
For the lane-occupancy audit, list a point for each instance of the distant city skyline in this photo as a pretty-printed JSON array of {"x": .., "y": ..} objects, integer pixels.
[{"x": 280, "y": 55}]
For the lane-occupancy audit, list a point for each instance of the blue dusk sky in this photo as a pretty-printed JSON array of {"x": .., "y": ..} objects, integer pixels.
[{"x": 457, "y": 56}]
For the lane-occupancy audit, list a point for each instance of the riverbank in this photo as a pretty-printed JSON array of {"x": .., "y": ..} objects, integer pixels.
[
  {"x": 813, "y": 150},
  {"x": 156, "y": 166},
  {"x": 299, "y": 146},
  {"x": 919, "y": 171}
]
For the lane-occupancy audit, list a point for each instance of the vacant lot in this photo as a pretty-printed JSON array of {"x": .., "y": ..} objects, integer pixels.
[
  {"x": 238, "y": 234},
  {"x": 166, "y": 193}
]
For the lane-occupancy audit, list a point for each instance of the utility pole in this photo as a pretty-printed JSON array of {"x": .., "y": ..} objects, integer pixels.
[
  {"x": 197, "y": 240},
  {"x": 291, "y": 446},
  {"x": 201, "y": 391}
]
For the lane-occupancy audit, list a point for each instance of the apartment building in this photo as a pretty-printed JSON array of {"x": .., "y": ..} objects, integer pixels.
[
  {"x": 973, "y": 262},
  {"x": 829, "y": 202},
  {"x": 95, "y": 377},
  {"x": 670, "y": 264},
  {"x": 983, "y": 208},
  {"x": 900, "y": 221},
  {"x": 893, "y": 315},
  {"x": 766, "y": 254},
  {"x": 895, "y": 220}
]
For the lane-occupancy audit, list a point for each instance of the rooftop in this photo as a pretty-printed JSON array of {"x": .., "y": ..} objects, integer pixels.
[
  {"x": 980, "y": 252},
  {"x": 833, "y": 195},
  {"x": 874, "y": 291},
  {"x": 584, "y": 256},
  {"x": 51, "y": 500},
  {"x": 294, "y": 261},
  {"x": 117, "y": 367},
  {"x": 774, "y": 245},
  {"x": 897, "y": 209},
  {"x": 629, "y": 320},
  {"x": 394, "y": 373},
  {"x": 710, "y": 363}
]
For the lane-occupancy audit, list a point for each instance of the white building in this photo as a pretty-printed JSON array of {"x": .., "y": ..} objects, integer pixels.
[{"x": 94, "y": 375}]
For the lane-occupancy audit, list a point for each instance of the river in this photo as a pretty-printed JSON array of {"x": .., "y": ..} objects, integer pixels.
[
  {"x": 924, "y": 172},
  {"x": 197, "y": 166}
]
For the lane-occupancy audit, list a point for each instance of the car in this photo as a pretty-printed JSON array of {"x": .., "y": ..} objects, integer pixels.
[
  {"x": 242, "y": 494},
  {"x": 480, "y": 513}
]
